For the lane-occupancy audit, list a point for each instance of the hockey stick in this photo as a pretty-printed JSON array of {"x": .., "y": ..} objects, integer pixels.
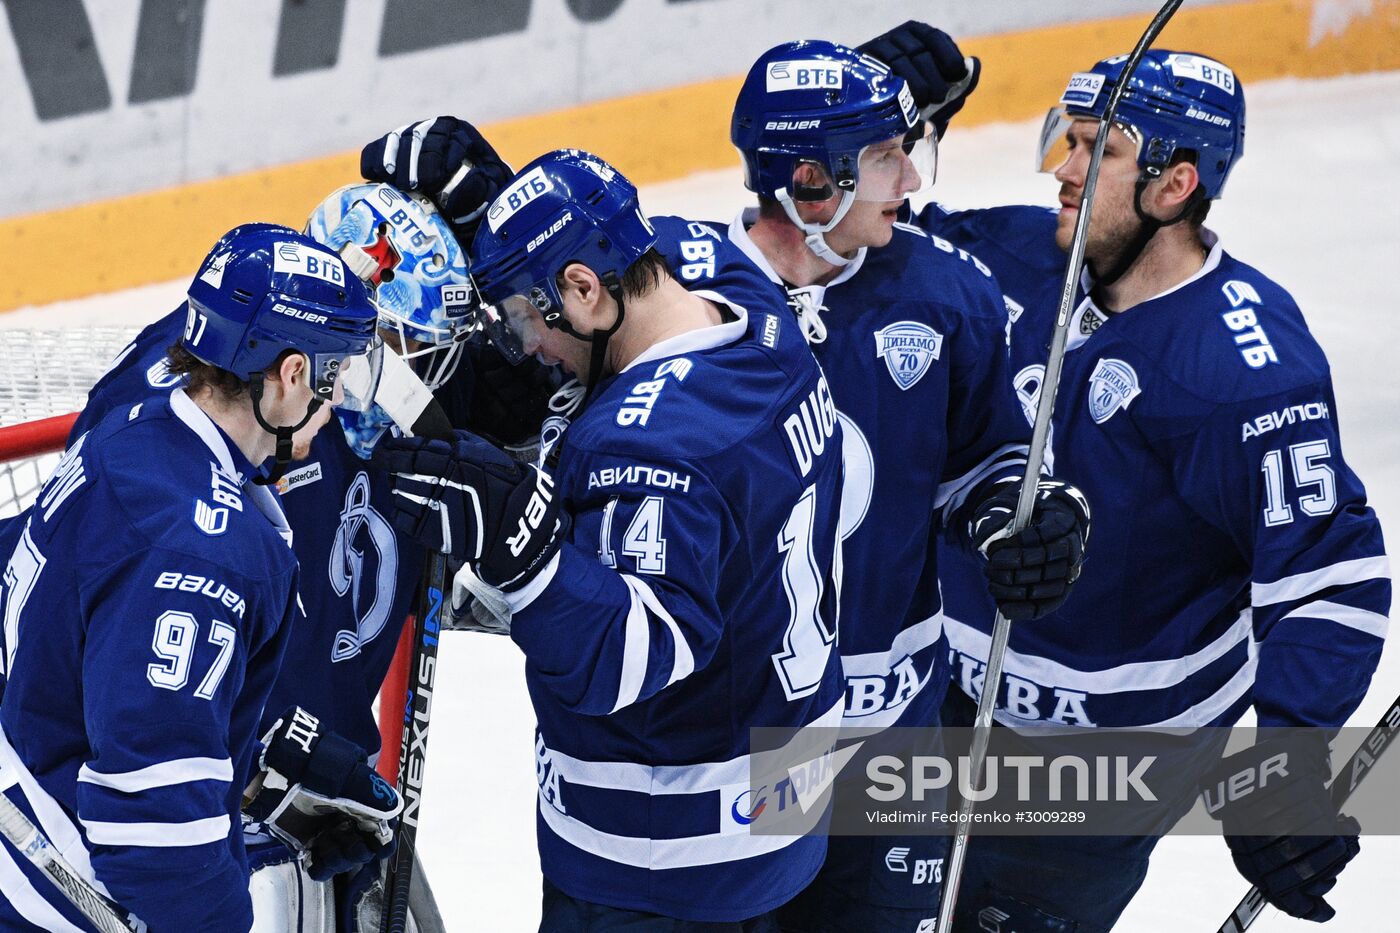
[
  {"x": 1343, "y": 785},
  {"x": 402, "y": 396},
  {"x": 1035, "y": 457},
  {"x": 35, "y": 846}
]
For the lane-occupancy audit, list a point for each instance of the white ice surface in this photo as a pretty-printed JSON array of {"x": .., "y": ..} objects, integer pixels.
[{"x": 1315, "y": 204}]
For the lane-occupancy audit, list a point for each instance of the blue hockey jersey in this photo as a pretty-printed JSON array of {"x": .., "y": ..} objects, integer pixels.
[
  {"x": 358, "y": 577},
  {"x": 912, "y": 338},
  {"x": 1233, "y": 559},
  {"x": 146, "y": 606},
  {"x": 695, "y": 598}
]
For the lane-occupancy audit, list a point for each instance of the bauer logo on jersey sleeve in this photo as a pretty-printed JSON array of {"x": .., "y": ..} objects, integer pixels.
[
  {"x": 804, "y": 75},
  {"x": 908, "y": 348},
  {"x": 1113, "y": 385},
  {"x": 1082, "y": 90}
]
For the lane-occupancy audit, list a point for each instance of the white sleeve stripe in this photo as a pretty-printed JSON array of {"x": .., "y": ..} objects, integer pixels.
[
  {"x": 636, "y": 640},
  {"x": 684, "y": 663},
  {"x": 158, "y": 835},
  {"x": 1304, "y": 584},
  {"x": 1008, "y": 455},
  {"x": 527, "y": 594},
  {"x": 1363, "y": 620},
  {"x": 163, "y": 774}
]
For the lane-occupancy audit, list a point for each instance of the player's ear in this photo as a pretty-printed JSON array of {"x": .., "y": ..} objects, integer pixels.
[
  {"x": 815, "y": 195},
  {"x": 584, "y": 285},
  {"x": 1170, "y": 192},
  {"x": 291, "y": 370}
]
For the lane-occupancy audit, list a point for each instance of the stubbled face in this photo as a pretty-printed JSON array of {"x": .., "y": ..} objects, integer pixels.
[
  {"x": 1114, "y": 222},
  {"x": 550, "y": 345},
  {"x": 301, "y": 440}
]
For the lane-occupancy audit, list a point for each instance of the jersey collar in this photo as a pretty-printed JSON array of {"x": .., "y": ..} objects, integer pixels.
[
  {"x": 1078, "y": 333},
  {"x": 739, "y": 236},
  {"x": 704, "y": 338},
  {"x": 231, "y": 461}
]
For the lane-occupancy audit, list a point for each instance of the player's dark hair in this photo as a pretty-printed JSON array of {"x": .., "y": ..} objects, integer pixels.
[
  {"x": 201, "y": 375},
  {"x": 645, "y": 275},
  {"x": 770, "y": 208}
]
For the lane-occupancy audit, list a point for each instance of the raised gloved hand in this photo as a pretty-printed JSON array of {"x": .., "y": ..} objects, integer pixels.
[
  {"x": 318, "y": 794},
  {"x": 1031, "y": 573},
  {"x": 939, "y": 78},
  {"x": 446, "y": 159},
  {"x": 469, "y": 499},
  {"x": 1284, "y": 835}
]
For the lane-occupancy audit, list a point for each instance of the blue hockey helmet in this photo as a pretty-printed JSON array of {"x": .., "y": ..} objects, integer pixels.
[
  {"x": 824, "y": 104},
  {"x": 1174, "y": 102},
  {"x": 264, "y": 289},
  {"x": 568, "y": 206},
  {"x": 415, "y": 271}
]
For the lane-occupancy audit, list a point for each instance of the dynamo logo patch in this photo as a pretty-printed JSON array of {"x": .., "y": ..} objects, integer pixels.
[
  {"x": 804, "y": 75},
  {"x": 907, "y": 347},
  {"x": 1083, "y": 89},
  {"x": 1113, "y": 385}
]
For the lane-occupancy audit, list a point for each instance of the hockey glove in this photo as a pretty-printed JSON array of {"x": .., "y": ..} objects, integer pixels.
[
  {"x": 468, "y": 499},
  {"x": 509, "y": 403},
  {"x": 1031, "y": 573},
  {"x": 318, "y": 794},
  {"x": 939, "y": 78},
  {"x": 446, "y": 159},
  {"x": 1280, "y": 785}
]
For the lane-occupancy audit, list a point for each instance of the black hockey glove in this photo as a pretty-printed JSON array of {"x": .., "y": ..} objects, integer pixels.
[
  {"x": 446, "y": 159},
  {"x": 1031, "y": 573},
  {"x": 509, "y": 403},
  {"x": 1284, "y": 834},
  {"x": 939, "y": 78},
  {"x": 318, "y": 794},
  {"x": 469, "y": 499}
]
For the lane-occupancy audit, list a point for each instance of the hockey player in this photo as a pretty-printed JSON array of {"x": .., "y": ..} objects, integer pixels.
[
  {"x": 910, "y": 331},
  {"x": 358, "y": 575},
  {"x": 148, "y": 602},
  {"x": 1248, "y": 570},
  {"x": 674, "y": 579}
]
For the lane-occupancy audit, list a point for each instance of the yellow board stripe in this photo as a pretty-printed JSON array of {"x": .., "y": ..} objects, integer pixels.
[{"x": 656, "y": 136}]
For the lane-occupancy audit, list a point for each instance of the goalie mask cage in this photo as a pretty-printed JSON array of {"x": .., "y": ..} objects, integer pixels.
[{"x": 45, "y": 376}]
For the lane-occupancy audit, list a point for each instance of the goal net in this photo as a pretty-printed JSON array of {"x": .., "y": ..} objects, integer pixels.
[{"x": 44, "y": 379}]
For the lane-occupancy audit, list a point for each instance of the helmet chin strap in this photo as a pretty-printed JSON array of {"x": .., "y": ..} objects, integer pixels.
[
  {"x": 1147, "y": 229},
  {"x": 283, "y": 433},
  {"x": 598, "y": 339},
  {"x": 816, "y": 233}
]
